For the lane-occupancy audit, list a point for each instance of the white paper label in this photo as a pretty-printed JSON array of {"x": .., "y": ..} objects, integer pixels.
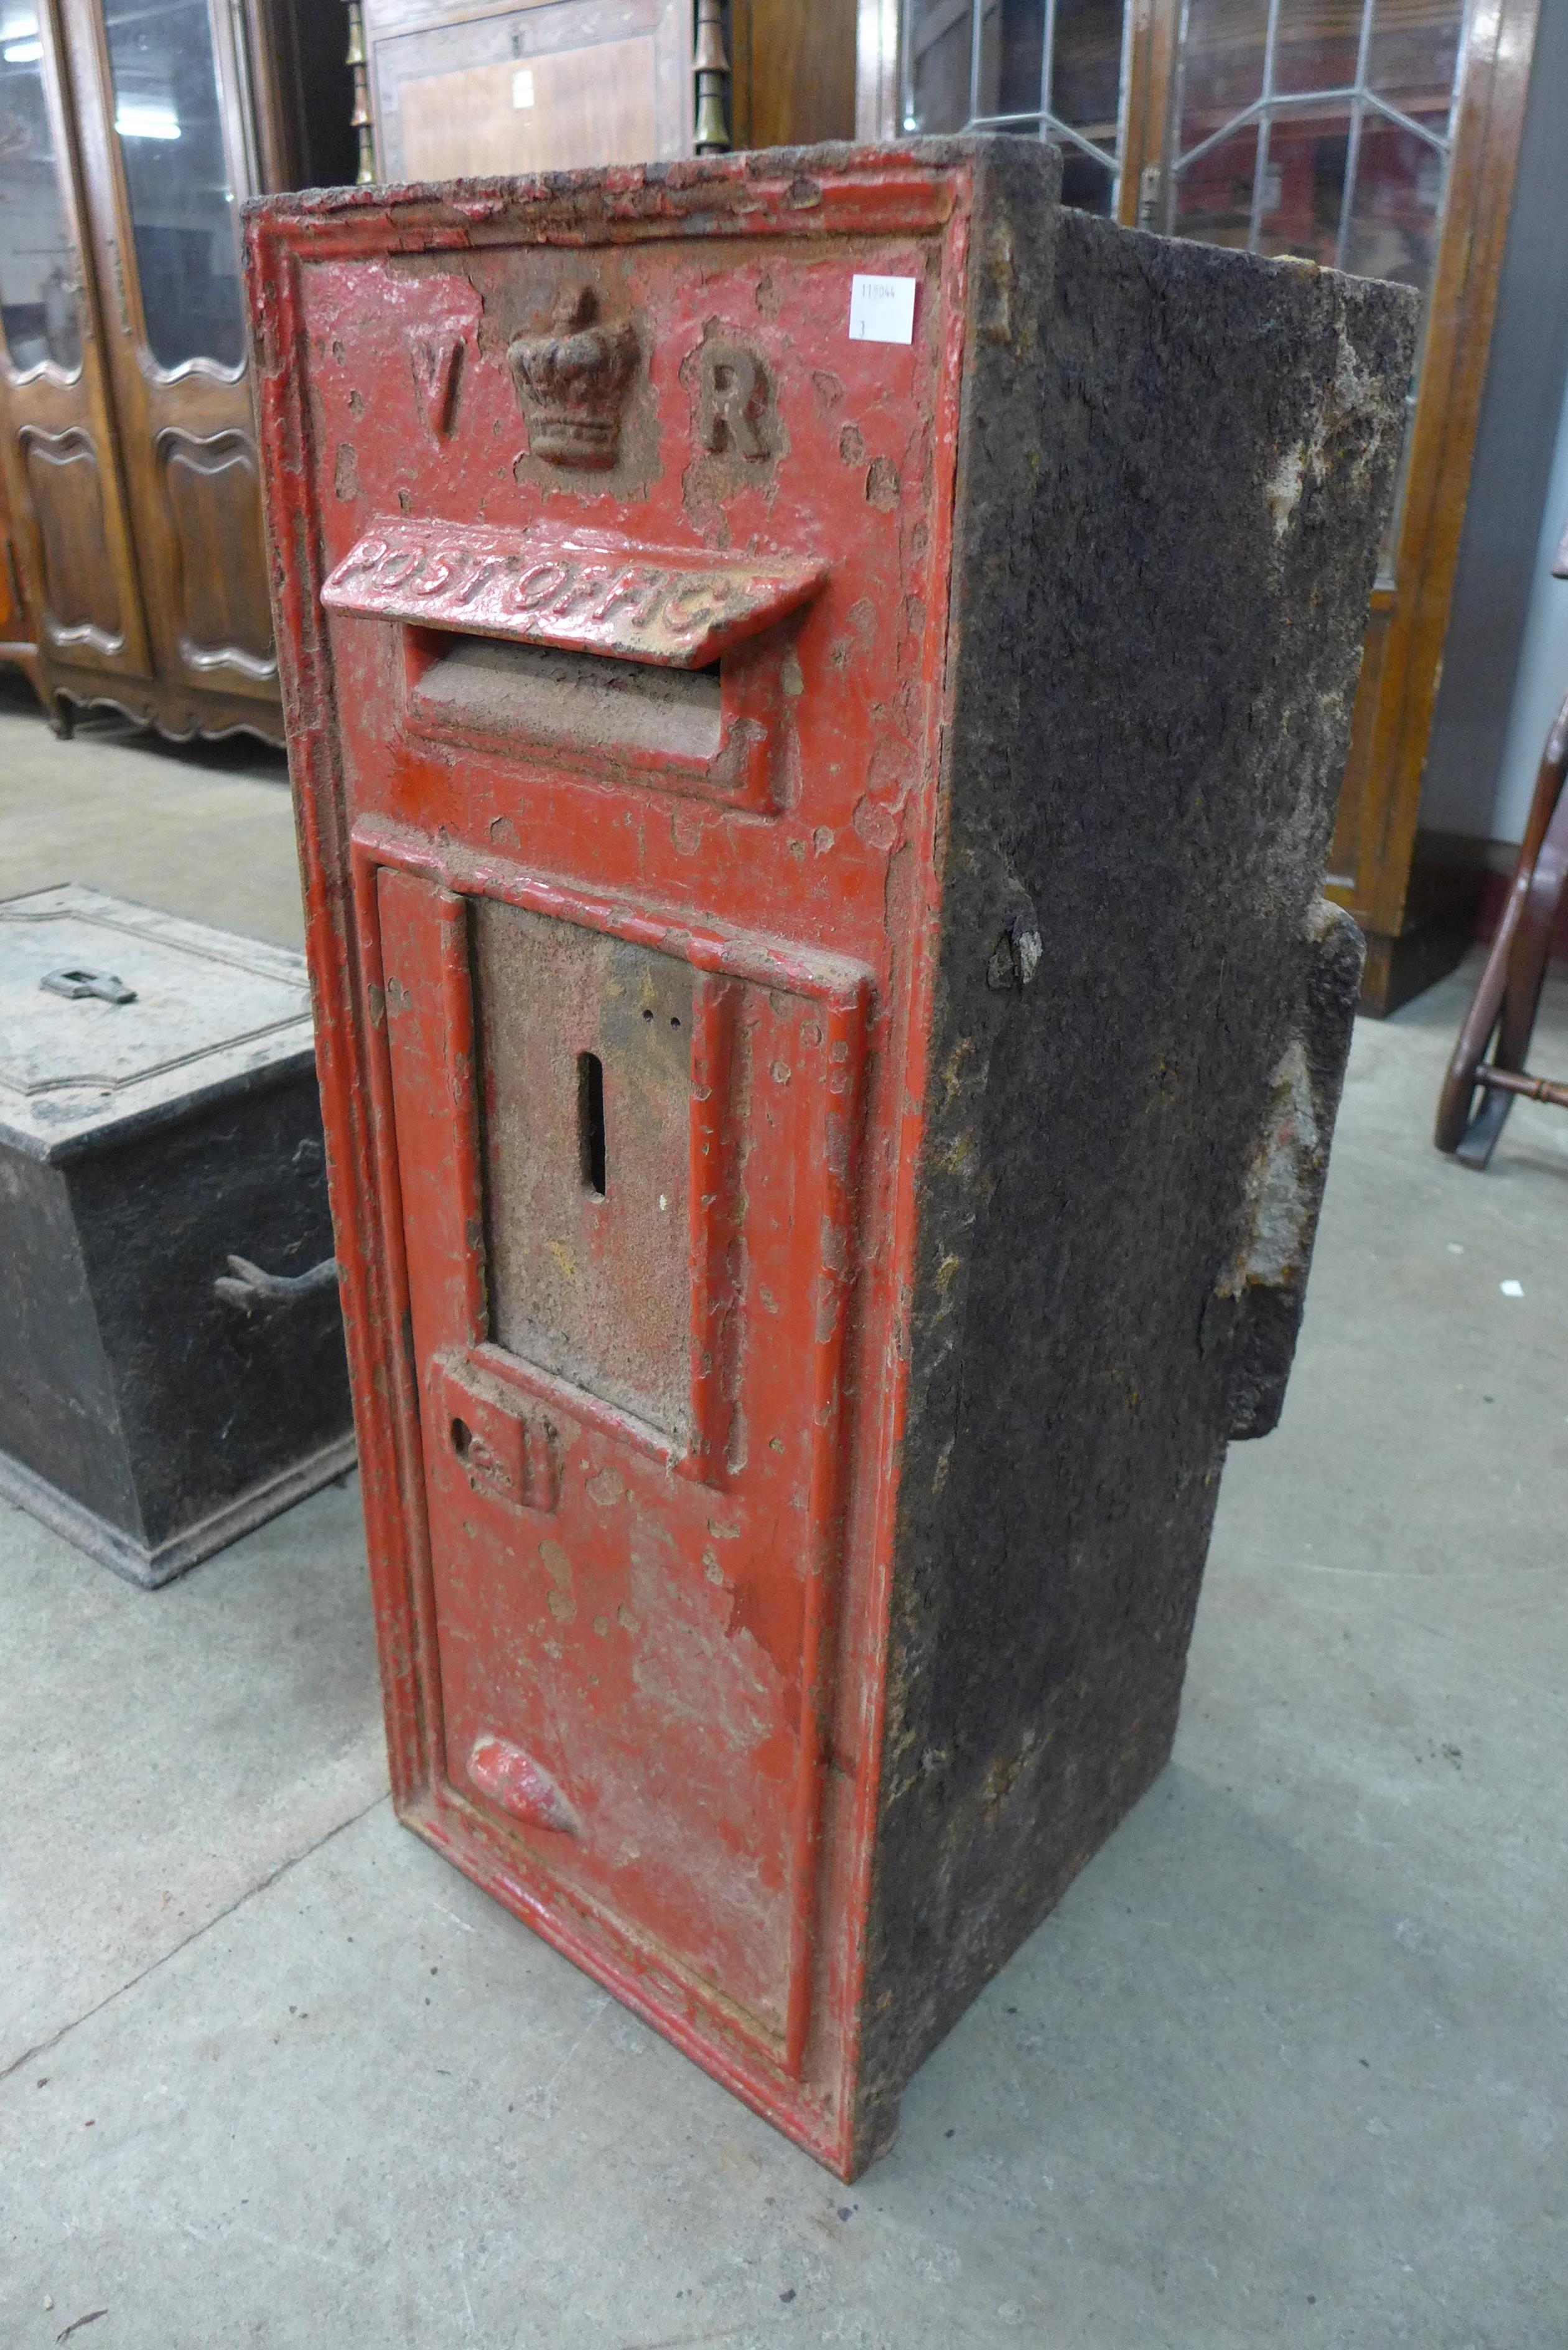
[
  {"x": 882, "y": 310},
  {"x": 523, "y": 87}
]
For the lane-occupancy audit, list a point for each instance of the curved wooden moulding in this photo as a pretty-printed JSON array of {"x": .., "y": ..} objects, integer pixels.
[
  {"x": 81, "y": 600},
  {"x": 198, "y": 714},
  {"x": 211, "y": 491}
]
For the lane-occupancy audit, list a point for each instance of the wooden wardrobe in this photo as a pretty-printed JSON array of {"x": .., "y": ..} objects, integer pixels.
[{"x": 130, "y": 131}]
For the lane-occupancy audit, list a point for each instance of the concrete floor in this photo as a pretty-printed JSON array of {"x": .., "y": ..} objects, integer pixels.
[
  {"x": 1288, "y": 2067},
  {"x": 197, "y": 829}
]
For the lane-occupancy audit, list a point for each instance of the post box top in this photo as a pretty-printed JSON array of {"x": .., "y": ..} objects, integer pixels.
[
  {"x": 834, "y": 187},
  {"x": 113, "y": 1017}
]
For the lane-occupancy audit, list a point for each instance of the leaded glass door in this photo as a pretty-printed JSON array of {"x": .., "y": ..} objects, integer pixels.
[{"x": 1376, "y": 136}]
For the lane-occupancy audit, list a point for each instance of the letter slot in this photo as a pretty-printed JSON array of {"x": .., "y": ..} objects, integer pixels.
[
  {"x": 600, "y": 651},
  {"x": 583, "y": 703}
]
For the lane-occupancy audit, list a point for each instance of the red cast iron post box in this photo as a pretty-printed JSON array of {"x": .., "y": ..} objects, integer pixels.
[{"x": 816, "y": 684}]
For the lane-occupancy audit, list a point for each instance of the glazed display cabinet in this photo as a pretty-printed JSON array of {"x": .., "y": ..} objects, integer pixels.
[
  {"x": 130, "y": 131},
  {"x": 1376, "y": 136}
]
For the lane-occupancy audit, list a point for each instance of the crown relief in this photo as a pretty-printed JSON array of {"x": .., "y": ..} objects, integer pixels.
[{"x": 572, "y": 382}]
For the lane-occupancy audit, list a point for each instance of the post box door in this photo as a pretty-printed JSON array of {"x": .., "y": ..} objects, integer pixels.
[{"x": 623, "y": 1174}]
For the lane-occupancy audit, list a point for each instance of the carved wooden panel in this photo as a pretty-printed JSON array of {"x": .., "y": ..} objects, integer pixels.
[
  {"x": 213, "y": 493},
  {"x": 82, "y": 603}
]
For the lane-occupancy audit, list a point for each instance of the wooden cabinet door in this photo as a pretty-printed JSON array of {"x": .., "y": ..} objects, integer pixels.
[
  {"x": 162, "y": 97},
  {"x": 71, "y": 545},
  {"x": 517, "y": 89}
]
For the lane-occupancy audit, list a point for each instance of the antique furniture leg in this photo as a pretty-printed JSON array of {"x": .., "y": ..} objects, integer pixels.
[{"x": 1505, "y": 1001}]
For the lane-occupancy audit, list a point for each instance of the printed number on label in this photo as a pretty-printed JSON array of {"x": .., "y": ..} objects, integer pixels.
[{"x": 882, "y": 310}]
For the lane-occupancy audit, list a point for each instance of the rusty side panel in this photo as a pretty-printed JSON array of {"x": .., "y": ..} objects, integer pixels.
[{"x": 1152, "y": 687}]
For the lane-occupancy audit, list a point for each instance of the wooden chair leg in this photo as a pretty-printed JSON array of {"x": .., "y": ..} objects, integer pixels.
[{"x": 1506, "y": 1000}]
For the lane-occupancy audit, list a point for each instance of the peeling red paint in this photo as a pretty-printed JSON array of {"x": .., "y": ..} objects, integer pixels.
[{"x": 669, "y": 1615}]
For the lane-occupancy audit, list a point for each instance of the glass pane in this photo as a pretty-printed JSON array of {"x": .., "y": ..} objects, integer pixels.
[
  {"x": 1086, "y": 186},
  {"x": 1221, "y": 64},
  {"x": 1316, "y": 48},
  {"x": 1415, "y": 53},
  {"x": 1087, "y": 71},
  {"x": 1214, "y": 196},
  {"x": 1017, "y": 52},
  {"x": 1304, "y": 186},
  {"x": 937, "y": 49},
  {"x": 166, "y": 110},
  {"x": 38, "y": 264},
  {"x": 939, "y": 36},
  {"x": 1085, "y": 80},
  {"x": 1395, "y": 209}
]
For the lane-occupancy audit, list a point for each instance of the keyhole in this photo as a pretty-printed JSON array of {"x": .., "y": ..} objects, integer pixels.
[{"x": 591, "y": 1121}]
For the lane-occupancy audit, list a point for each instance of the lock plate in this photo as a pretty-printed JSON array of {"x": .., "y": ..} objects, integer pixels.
[{"x": 506, "y": 1450}]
